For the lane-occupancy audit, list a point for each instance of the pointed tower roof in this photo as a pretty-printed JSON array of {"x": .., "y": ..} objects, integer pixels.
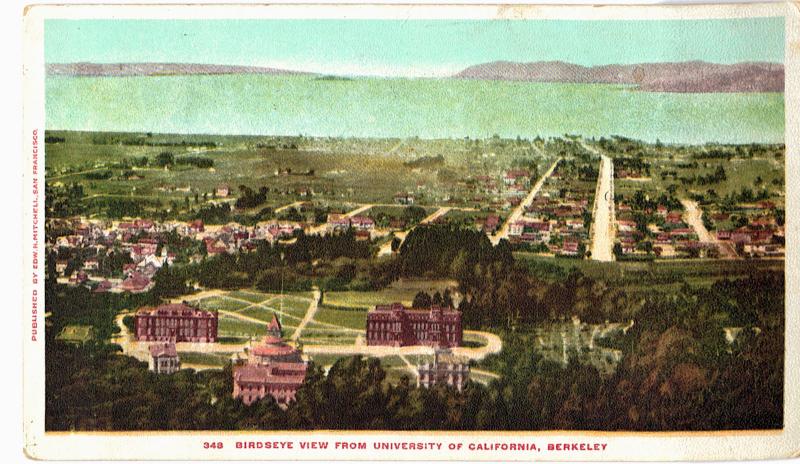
[{"x": 274, "y": 324}]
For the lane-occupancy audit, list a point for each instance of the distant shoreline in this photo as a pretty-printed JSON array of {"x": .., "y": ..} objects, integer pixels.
[{"x": 668, "y": 77}]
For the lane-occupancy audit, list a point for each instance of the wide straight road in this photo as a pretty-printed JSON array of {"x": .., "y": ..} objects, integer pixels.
[
  {"x": 603, "y": 227},
  {"x": 520, "y": 210}
]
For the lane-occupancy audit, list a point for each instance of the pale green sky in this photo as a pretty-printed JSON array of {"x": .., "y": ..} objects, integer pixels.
[{"x": 406, "y": 48}]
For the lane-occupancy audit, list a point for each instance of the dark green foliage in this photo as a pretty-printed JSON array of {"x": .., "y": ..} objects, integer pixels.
[
  {"x": 99, "y": 175},
  {"x": 196, "y": 161},
  {"x": 448, "y": 251},
  {"x": 250, "y": 198},
  {"x": 165, "y": 158},
  {"x": 677, "y": 373}
]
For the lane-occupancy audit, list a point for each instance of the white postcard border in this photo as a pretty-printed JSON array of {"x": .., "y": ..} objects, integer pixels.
[{"x": 186, "y": 445}]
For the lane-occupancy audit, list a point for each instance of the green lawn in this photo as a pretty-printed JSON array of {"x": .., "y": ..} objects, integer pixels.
[
  {"x": 229, "y": 326},
  {"x": 353, "y": 319},
  {"x": 265, "y": 314},
  {"x": 221, "y": 304},
  {"x": 250, "y": 295},
  {"x": 401, "y": 291},
  {"x": 206, "y": 359},
  {"x": 291, "y": 305},
  {"x": 313, "y": 337},
  {"x": 326, "y": 360},
  {"x": 76, "y": 333}
]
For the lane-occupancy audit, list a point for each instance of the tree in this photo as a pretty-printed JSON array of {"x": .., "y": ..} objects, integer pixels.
[
  {"x": 169, "y": 282},
  {"x": 165, "y": 158},
  {"x": 422, "y": 300}
]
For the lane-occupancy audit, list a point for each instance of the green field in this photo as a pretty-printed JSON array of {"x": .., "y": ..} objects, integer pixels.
[
  {"x": 250, "y": 295},
  {"x": 231, "y": 327},
  {"x": 351, "y": 318},
  {"x": 204, "y": 359},
  {"x": 402, "y": 291},
  {"x": 218, "y": 303},
  {"x": 265, "y": 314},
  {"x": 327, "y": 337},
  {"x": 76, "y": 334},
  {"x": 326, "y": 360}
]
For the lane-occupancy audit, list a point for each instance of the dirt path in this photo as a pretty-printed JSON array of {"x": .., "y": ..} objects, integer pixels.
[
  {"x": 296, "y": 204},
  {"x": 386, "y": 248},
  {"x": 603, "y": 225},
  {"x": 694, "y": 217},
  {"x": 310, "y": 313},
  {"x": 520, "y": 210},
  {"x": 485, "y": 373},
  {"x": 436, "y": 215}
]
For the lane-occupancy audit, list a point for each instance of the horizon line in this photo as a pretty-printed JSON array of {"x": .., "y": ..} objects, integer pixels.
[{"x": 379, "y": 71}]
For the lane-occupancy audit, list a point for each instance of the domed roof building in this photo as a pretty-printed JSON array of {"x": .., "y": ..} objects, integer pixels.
[{"x": 273, "y": 368}]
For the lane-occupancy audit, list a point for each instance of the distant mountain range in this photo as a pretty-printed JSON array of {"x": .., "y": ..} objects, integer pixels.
[
  {"x": 157, "y": 69},
  {"x": 688, "y": 77},
  {"x": 685, "y": 77}
]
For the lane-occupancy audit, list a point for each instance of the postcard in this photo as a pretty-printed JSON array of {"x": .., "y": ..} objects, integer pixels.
[{"x": 411, "y": 232}]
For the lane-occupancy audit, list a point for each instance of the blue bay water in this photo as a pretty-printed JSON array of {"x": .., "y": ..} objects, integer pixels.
[{"x": 427, "y": 108}]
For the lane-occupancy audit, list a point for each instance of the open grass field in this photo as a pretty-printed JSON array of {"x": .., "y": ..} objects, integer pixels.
[
  {"x": 205, "y": 359},
  {"x": 216, "y": 303},
  {"x": 402, "y": 291},
  {"x": 250, "y": 295},
  {"x": 265, "y": 314},
  {"x": 312, "y": 337},
  {"x": 76, "y": 334},
  {"x": 232, "y": 327},
  {"x": 355, "y": 318},
  {"x": 252, "y": 306},
  {"x": 326, "y": 360}
]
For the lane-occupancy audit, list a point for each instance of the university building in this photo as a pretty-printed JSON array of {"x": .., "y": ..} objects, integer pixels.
[
  {"x": 446, "y": 369},
  {"x": 176, "y": 323},
  {"x": 396, "y": 325},
  {"x": 164, "y": 358},
  {"x": 272, "y": 368}
]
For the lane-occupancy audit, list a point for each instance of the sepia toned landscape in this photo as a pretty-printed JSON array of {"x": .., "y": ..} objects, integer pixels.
[{"x": 511, "y": 245}]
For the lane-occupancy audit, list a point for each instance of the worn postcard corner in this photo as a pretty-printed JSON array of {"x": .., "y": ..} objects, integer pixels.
[{"x": 422, "y": 233}]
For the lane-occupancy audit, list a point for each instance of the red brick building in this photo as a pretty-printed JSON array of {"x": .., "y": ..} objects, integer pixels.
[
  {"x": 273, "y": 368},
  {"x": 176, "y": 322},
  {"x": 396, "y": 325}
]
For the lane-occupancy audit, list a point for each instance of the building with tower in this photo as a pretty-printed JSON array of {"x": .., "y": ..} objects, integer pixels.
[{"x": 272, "y": 368}]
